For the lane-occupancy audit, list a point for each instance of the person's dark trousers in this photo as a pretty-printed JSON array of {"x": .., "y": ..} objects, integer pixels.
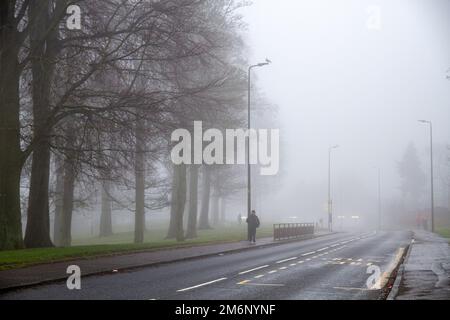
[{"x": 252, "y": 234}]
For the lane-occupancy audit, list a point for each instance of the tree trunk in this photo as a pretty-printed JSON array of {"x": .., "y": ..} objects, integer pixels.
[
  {"x": 206, "y": 191},
  {"x": 223, "y": 211},
  {"x": 139, "y": 167},
  {"x": 11, "y": 158},
  {"x": 193, "y": 202},
  {"x": 37, "y": 232},
  {"x": 105, "y": 218},
  {"x": 215, "y": 208},
  {"x": 59, "y": 193},
  {"x": 178, "y": 203},
  {"x": 69, "y": 186},
  {"x": 42, "y": 67}
]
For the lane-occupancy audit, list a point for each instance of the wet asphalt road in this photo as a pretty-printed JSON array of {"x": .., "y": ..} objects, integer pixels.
[{"x": 337, "y": 266}]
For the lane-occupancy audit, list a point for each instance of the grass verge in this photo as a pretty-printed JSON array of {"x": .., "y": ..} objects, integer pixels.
[
  {"x": 444, "y": 232},
  {"x": 121, "y": 243}
]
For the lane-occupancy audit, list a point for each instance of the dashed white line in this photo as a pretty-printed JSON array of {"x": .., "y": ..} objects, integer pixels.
[
  {"x": 308, "y": 253},
  {"x": 202, "y": 284},
  {"x": 285, "y": 260},
  {"x": 254, "y": 269},
  {"x": 322, "y": 249}
]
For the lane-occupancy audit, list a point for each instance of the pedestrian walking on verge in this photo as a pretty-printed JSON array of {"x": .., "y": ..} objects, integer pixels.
[{"x": 252, "y": 224}]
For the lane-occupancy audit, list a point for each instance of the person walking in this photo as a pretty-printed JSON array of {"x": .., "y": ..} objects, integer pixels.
[{"x": 252, "y": 224}]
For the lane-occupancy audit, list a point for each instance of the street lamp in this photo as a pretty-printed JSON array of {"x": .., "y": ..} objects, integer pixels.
[
  {"x": 249, "y": 182},
  {"x": 431, "y": 169},
  {"x": 330, "y": 217}
]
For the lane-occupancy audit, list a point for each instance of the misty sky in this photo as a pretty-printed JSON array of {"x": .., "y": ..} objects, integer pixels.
[{"x": 336, "y": 81}]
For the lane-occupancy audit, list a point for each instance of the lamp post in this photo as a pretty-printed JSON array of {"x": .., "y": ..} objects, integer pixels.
[
  {"x": 249, "y": 182},
  {"x": 431, "y": 171},
  {"x": 330, "y": 216}
]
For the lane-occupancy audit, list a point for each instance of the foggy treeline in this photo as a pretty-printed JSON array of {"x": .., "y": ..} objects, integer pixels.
[
  {"x": 89, "y": 112},
  {"x": 91, "y": 91}
]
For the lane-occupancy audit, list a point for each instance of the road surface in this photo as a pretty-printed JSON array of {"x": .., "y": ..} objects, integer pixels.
[{"x": 338, "y": 266}]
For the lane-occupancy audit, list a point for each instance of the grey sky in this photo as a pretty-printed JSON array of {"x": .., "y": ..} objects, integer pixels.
[{"x": 336, "y": 81}]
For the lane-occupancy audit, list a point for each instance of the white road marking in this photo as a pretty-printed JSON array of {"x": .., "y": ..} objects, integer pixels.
[
  {"x": 254, "y": 269},
  {"x": 323, "y": 249},
  {"x": 308, "y": 253},
  {"x": 243, "y": 282},
  {"x": 293, "y": 264},
  {"x": 273, "y": 271},
  {"x": 201, "y": 285},
  {"x": 350, "y": 288},
  {"x": 283, "y": 268},
  {"x": 288, "y": 259},
  {"x": 259, "y": 276},
  {"x": 383, "y": 280}
]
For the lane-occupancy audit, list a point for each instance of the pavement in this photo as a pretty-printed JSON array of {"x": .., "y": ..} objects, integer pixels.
[
  {"x": 426, "y": 271},
  {"x": 338, "y": 266},
  {"x": 42, "y": 273}
]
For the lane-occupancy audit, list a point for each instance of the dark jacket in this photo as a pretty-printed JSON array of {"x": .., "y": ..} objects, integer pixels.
[{"x": 253, "y": 221}]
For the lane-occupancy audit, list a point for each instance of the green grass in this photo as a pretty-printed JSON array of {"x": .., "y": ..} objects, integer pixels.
[
  {"x": 122, "y": 243},
  {"x": 444, "y": 232}
]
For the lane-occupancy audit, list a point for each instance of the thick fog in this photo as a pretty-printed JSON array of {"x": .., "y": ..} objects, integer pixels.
[{"x": 358, "y": 74}]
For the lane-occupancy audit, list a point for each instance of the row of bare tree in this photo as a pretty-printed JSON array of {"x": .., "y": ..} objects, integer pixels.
[{"x": 93, "y": 108}]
